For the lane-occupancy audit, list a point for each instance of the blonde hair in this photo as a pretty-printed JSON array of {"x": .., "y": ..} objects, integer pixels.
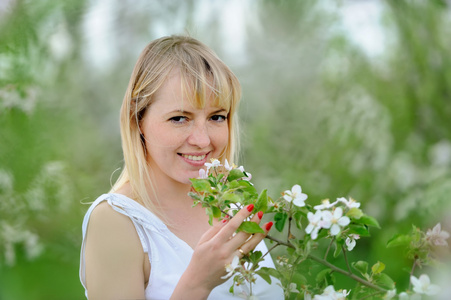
[{"x": 201, "y": 72}]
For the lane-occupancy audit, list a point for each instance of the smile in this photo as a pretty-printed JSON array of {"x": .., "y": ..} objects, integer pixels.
[{"x": 193, "y": 157}]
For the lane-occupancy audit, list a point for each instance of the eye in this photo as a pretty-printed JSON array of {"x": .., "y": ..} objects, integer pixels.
[
  {"x": 219, "y": 118},
  {"x": 179, "y": 119}
]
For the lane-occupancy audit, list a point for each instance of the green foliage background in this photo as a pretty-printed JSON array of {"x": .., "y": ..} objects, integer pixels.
[{"x": 317, "y": 110}]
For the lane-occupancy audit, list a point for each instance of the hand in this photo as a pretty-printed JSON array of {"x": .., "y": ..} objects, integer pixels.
[{"x": 215, "y": 249}]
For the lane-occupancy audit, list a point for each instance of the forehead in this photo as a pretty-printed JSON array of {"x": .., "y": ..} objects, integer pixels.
[{"x": 177, "y": 93}]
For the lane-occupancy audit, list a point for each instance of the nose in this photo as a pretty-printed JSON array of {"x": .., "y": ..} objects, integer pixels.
[{"x": 199, "y": 136}]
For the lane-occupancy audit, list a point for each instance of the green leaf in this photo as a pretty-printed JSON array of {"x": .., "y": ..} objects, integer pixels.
[
  {"x": 354, "y": 213},
  {"x": 255, "y": 256},
  {"x": 232, "y": 197},
  {"x": 201, "y": 185},
  {"x": 209, "y": 213},
  {"x": 361, "y": 266},
  {"x": 280, "y": 219},
  {"x": 250, "y": 227},
  {"x": 384, "y": 281},
  {"x": 194, "y": 196},
  {"x": 359, "y": 229},
  {"x": 299, "y": 278},
  {"x": 262, "y": 202},
  {"x": 216, "y": 212},
  {"x": 367, "y": 220},
  {"x": 399, "y": 240},
  {"x": 235, "y": 174},
  {"x": 338, "y": 247},
  {"x": 265, "y": 273},
  {"x": 378, "y": 268},
  {"x": 325, "y": 277}
]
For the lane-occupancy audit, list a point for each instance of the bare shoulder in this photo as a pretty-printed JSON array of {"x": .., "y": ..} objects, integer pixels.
[
  {"x": 105, "y": 219},
  {"x": 113, "y": 255}
]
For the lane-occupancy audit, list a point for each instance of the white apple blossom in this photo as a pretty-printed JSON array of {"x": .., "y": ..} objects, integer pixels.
[
  {"x": 227, "y": 166},
  {"x": 214, "y": 163},
  {"x": 351, "y": 241},
  {"x": 231, "y": 267},
  {"x": 292, "y": 288},
  {"x": 437, "y": 236},
  {"x": 296, "y": 195},
  {"x": 350, "y": 204},
  {"x": 330, "y": 294},
  {"x": 403, "y": 296},
  {"x": 203, "y": 174},
  {"x": 314, "y": 224},
  {"x": 325, "y": 204},
  {"x": 335, "y": 221},
  {"x": 422, "y": 285},
  {"x": 390, "y": 294}
]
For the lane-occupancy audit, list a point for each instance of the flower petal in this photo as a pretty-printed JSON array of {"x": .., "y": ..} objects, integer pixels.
[
  {"x": 335, "y": 229},
  {"x": 343, "y": 221}
]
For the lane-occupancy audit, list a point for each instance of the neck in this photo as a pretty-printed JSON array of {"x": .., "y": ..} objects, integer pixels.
[{"x": 170, "y": 193}]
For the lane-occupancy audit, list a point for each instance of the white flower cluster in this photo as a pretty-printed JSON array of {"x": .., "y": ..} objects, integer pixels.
[
  {"x": 421, "y": 286},
  {"x": 329, "y": 294},
  {"x": 330, "y": 216},
  {"x": 203, "y": 174}
]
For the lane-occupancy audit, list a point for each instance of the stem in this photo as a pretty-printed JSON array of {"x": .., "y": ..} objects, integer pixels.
[
  {"x": 261, "y": 258},
  {"x": 331, "y": 266},
  {"x": 287, "y": 244},
  {"x": 411, "y": 271},
  {"x": 294, "y": 268},
  {"x": 346, "y": 259},
  {"x": 290, "y": 217},
  {"x": 328, "y": 248}
]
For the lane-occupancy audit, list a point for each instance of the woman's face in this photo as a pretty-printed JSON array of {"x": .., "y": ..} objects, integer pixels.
[{"x": 179, "y": 137}]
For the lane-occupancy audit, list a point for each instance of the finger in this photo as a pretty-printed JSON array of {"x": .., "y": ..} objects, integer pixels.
[
  {"x": 255, "y": 239},
  {"x": 228, "y": 230},
  {"x": 241, "y": 237},
  {"x": 210, "y": 233}
]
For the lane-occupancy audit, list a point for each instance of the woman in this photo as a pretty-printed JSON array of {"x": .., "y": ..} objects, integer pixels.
[{"x": 144, "y": 240}]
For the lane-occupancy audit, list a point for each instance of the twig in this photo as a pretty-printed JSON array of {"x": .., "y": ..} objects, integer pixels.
[
  {"x": 411, "y": 271},
  {"x": 328, "y": 248},
  {"x": 287, "y": 244},
  {"x": 289, "y": 222},
  {"x": 346, "y": 258}
]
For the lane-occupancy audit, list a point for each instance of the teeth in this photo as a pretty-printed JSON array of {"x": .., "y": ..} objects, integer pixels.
[{"x": 193, "y": 157}]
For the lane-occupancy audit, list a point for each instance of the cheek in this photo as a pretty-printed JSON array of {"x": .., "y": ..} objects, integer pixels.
[
  {"x": 161, "y": 137},
  {"x": 221, "y": 138}
]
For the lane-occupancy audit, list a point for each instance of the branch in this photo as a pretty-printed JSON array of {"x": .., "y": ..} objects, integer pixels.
[
  {"x": 331, "y": 266},
  {"x": 351, "y": 275}
]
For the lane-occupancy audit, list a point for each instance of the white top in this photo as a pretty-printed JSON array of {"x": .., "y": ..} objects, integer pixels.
[{"x": 169, "y": 255}]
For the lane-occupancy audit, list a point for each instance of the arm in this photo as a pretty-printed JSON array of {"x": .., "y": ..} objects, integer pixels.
[
  {"x": 216, "y": 248},
  {"x": 114, "y": 256}
]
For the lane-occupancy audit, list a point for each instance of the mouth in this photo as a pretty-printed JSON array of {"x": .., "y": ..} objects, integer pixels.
[{"x": 194, "y": 159}]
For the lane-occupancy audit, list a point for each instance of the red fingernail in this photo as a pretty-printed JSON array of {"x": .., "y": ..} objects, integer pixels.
[
  {"x": 250, "y": 207},
  {"x": 268, "y": 226},
  {"x": 225, "y": 220},
  {"x": 260, "y": 215}
]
